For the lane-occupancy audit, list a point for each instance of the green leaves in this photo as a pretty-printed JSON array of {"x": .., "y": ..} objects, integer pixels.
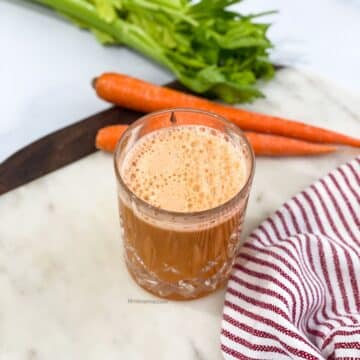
[{"x": 210, "y": 49}]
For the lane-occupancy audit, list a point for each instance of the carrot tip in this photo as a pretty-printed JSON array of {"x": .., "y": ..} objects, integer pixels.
[{"x": 98, "y": 140}]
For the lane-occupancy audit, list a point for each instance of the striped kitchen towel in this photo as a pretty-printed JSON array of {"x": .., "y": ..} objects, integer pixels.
[{"x": 295, "y": 289}]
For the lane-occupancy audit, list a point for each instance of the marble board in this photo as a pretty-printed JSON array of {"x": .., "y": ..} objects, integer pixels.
[{"x": 64, "y": 289}]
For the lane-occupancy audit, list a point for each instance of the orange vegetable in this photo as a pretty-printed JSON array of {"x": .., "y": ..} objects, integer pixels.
[
  {"x": 145, "y": 97},
  {"x": 268, "y": 145},
  {"x": 108, "y": 137},
  {"x": 274, "y": 145}
]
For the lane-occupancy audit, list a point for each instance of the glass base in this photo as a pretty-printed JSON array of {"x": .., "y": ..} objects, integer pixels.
[{"x": 180, "y": 290}]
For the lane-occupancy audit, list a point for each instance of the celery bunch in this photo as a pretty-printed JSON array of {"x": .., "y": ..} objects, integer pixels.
[{"x": 211, "y": 50}]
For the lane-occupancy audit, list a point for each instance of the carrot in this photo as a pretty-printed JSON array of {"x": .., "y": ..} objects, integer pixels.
[
  {"x": 108, "y": 137},
  {"x": 145, "y": 97},
  {"x": 274, "y": 145},
  {"x": 268, "y": 145}
]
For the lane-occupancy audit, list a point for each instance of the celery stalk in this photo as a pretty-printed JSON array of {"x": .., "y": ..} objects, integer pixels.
[{"x": 210, "y": 49}]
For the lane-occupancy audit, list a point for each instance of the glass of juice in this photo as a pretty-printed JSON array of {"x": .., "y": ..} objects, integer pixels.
[{"x": 183, "y": 183}]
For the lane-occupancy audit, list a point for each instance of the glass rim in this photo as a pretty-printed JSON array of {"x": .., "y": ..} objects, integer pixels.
[{"x": 192, "y": 214}]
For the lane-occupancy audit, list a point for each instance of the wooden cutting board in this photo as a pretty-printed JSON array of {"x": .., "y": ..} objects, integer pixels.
[{"x": 61, "y": 147}]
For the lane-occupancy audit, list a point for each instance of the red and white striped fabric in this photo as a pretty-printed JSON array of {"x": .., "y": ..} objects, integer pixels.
[{"x": 295, "y": 289}]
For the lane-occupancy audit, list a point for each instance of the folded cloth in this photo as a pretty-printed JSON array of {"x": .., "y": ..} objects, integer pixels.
[{"x": 294, "y": 292}]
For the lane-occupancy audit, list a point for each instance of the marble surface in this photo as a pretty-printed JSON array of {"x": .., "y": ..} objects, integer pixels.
[
  {"x": 65, "y": 292},
  {"x": 46, "y": 64}
]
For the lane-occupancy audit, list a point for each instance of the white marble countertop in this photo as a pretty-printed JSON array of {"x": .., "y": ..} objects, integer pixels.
[
  {"x": 65, "y": 291},
  {"x": 46, "y": 64}
]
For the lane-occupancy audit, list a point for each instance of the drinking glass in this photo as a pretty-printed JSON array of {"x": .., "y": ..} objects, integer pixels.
[{"x": 181, "y": 255}]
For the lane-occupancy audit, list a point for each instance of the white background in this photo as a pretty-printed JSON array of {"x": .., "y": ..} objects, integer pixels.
[{"x": 46, "y": 64}]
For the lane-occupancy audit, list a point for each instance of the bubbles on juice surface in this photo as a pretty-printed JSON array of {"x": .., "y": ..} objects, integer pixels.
[{"x": 186, "y": 168}]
